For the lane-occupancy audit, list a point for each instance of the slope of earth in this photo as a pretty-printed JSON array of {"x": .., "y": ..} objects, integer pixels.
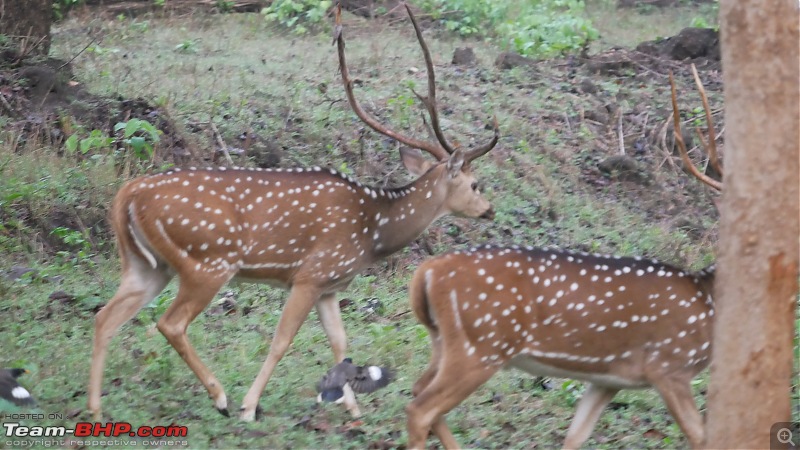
[{"x": 584, "y": 162}]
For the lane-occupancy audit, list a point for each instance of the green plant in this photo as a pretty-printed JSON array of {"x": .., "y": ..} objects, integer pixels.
[
  {"x": 532, "y": 28},
  {"x": 140, "y": 136},
  {"x": 61, "y": 7},
  {"x": 225, "y": 6},
  {"x": 187, "y": 46},
  {"x": 74, "y": 238},
  {"x": 295, "y": 13},
  {"x": 700, "y": 22},
  {"x": 96, "y": 140},
  {"x": 403, "y": 104}
]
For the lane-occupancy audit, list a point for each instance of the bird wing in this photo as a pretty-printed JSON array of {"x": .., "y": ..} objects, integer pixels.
[
  {"x": 11, "y": 391},
  {"x": 370, "y": 378},
  {"x": 336, "y": 377}
]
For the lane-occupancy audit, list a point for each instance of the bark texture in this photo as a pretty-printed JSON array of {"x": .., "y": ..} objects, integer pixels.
[
  {"x": 756, "y": 284},
  {"x": 27, "y": 23}
]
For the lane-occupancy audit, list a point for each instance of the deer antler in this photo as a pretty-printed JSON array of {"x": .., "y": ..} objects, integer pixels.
[
  {"x": 440, "y": 150},
  {"x": 710, "y": 148}
]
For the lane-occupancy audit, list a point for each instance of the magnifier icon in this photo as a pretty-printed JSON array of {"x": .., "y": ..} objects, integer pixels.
[{"x": 785, "y": 436}]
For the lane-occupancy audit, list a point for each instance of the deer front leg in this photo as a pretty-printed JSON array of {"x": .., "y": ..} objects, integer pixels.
[
  {"x": 331, "y": 318},
  {"x": 450, "y": 386},
  {"x": 298, "y": 305}
]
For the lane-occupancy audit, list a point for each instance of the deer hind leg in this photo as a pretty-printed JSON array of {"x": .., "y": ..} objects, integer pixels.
[
  {"x": 331, "y": 318},
  {"x": 590, "y": 407},
  {"x": 433, "y": 367},
  {"x": 195, "y": 293},
  {"x": 140, "y": 284},
  {"x": 301, "y": 299},
  {"x": 452, "y": 383},
  {"x": 677, "y": 394}
]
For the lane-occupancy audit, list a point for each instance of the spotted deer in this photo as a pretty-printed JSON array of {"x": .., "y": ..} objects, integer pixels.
[
  {"x": 308, "y": 230},
  {"x": 612, "y": 322}
]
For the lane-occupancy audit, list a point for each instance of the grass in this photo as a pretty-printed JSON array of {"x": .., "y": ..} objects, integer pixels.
[{"x": 243, "y": 75}]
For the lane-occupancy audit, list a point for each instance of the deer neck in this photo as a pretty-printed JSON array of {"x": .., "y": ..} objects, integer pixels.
[{"x": 406, "y": 212}]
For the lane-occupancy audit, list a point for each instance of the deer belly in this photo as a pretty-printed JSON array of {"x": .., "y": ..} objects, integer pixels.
[{"x": 536, "y": 366}]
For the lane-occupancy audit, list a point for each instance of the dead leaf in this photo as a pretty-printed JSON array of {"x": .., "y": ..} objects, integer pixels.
[{"x": 654, "y": 434}]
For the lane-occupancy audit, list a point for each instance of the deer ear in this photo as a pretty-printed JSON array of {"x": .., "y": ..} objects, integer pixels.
[
  {"x": 455, "y": 163},
  {"x": 414, "y": 161}
]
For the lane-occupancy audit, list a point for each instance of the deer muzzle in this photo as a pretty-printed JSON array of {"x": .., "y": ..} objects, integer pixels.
[{"x": 488, "y": 214}]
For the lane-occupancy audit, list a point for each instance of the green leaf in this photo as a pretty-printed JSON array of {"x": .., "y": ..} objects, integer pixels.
[
  {"x": 131, "y": 127},
  {"x": 71, "y": 143}
]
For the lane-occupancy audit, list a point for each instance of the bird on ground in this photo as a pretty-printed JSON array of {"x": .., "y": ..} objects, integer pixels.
[
  {"x": 347, "y": 376},
  {"x": 11, "y": 391}
]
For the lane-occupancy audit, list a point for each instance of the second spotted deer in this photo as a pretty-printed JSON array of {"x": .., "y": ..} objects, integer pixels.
[{"x": 615, "y": 323}]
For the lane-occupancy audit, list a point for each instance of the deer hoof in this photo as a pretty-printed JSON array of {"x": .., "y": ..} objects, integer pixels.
[{"x": 247, "y": 416}]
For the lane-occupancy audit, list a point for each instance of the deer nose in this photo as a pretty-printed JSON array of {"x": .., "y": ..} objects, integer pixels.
[{"x": 488, "y": 214}]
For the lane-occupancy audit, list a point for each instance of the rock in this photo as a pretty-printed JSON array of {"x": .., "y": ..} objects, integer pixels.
[
  {"x": 599, "y": 115},
  {"x": 621, "y": 167},
  {"x": 611, "y": 62},
  {"x": 690, "y": 43},
  {"x": 510, "y": 60},
  {"x": 266, "y": 154},
  {"x": 464, "y": 56},
  {"x": 587, "y": 86},
  {"x": 17, "y": 272}
]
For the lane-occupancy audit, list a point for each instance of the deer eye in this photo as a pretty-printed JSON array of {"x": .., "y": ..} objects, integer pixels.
[{"x": 475, "y": 186}]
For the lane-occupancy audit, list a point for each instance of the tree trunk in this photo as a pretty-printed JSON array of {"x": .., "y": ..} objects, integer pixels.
[
  {"x": 27, "y": 23},
  {"x": 756, "y": 284}
]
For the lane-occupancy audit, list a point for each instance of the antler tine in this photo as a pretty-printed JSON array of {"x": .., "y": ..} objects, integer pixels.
[
  {"x": 676, "y": 118},
  {"x": 711, "y": 148},
  {"x": 483, "y": 149},
  {"x": 438, "y": 152},
  {"x": 430, "y": 100}
]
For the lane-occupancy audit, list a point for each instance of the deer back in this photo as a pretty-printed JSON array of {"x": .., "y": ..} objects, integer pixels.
[{"x": 566, "y": 314}]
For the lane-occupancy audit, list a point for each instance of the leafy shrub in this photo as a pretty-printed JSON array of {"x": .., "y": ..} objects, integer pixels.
[
  {"x": 295, "y": 13},
  {"x": 138, "y": 135},
  {"x": 61, "y": 7},
  {"x": 531, "y": 27}
]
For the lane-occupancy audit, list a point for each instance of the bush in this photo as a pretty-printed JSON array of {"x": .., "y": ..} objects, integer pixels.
[
  {"x": 296, "y": 14},
  {"x": 537, "y": 28}
]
